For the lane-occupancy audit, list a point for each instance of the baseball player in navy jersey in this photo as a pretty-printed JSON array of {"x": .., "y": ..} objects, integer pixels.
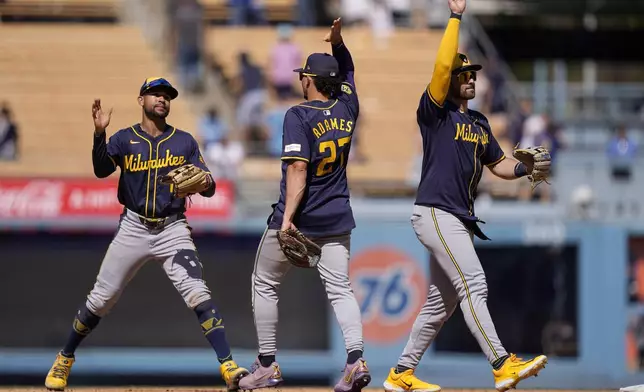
[
  {"x": 152, "y": 226},
  {"x": 314, "y": 198},
  {"x": 457, "y": 145}
]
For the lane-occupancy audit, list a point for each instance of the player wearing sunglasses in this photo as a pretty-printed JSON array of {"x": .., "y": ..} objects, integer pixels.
[{"x": 457, "y": 144}]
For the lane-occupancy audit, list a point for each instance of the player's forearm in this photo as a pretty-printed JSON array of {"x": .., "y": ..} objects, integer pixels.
[
  {"x": 295, "y": 187},
  {"x": 447, "y": 50},
  {"x": 210, "y": 192},
  {"x": 102, "y": 162},
  {"x": 343, "y": 56},
  {"x": 509, "y": 169}
]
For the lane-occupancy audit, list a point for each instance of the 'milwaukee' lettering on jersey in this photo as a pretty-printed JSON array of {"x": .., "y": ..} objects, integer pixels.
[
  {"x": 134, "y": 163},
  {"x": 332, "y": 124},
  {"x": 464, "y": 133}
]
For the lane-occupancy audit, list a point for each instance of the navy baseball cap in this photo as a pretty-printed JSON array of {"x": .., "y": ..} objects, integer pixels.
[
  {"x": 462, "y": 64},
  {"x": 320, "y": 64},
  {"x": 158, "y": 84}
]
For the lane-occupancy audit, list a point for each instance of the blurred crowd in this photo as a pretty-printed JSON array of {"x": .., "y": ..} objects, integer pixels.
[
  {"x": 8, "y": 134},
  {"x": 262, "y": 95}
]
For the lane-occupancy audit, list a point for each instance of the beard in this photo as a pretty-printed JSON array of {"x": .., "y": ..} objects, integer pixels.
[
  {"x": 467, "y": 93},
  {"x": 153, "y": 114}
]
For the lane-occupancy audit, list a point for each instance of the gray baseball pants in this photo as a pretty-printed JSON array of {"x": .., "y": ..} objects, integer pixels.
[
  {"x": 270, "y": 269},
  {"x": 134, "y": 245},
  {"x": 456, "y": 277}
]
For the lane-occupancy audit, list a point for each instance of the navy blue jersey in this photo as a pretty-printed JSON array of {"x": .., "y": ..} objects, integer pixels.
[
  {"x": 456, "y": 146},
  {"x": 320, "y": 133},
  {"x": 143, "y": 160}
]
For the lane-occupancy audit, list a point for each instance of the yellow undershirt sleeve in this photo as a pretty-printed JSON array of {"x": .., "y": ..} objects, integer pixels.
[{"x": 447, "y": 51}]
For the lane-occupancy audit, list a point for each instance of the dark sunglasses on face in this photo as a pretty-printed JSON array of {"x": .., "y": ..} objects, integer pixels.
[{"x": 465, "y": 77}]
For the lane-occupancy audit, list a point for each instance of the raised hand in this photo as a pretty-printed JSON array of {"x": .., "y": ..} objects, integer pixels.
[
  {"x": 101, "y": 119},
  {"x": 457, "y": 6},
  {"x": 335, "y": 35}
]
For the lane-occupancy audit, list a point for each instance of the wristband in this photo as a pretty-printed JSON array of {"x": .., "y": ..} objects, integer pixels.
[
  {"x": 455, "y": 15},
  {"x": 520, "y": 170}
]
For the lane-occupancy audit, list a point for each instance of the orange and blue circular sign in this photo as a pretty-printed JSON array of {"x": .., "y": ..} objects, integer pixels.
[{"x": 391, "y": 287}]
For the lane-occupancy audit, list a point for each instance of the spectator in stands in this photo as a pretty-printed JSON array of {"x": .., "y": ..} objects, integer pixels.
[
  {"x": 498, "y": 86},
  {"x": 225, "y": 158},
  {"x": 275, "y": 124},
  {"x": 355, "y": 12},
  {"x": 381, "y": 19},
  {"x": 534, "y": 126},
  {"x": 517, "y": 119},
  {"x": 621, "y": 152},
  {"x": 247, "y": 12},
  {"x": 401, "y": 12},
  {"x": 285, "y": 56},
  {"x": 8, "y": 135},
  {"x": 538, "y": 130},
  {"x": 307, "y": 12},
  {"x": 550, "y": 139},
  {"x": 251, "y": 94},
  {"x": 188, "y": 32},
  {"x": 212, "y": 128}
]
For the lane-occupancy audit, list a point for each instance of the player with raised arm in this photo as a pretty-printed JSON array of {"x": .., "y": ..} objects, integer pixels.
[
  {"x": 153, "y": 225},
  {"x": 314, "y": 200},
  {"x": 457, "y": 144}
]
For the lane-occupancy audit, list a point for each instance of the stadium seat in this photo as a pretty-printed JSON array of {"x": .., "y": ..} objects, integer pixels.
[
  {"x": 53, "y": 9},
  {"x": 50, "y": 74},
  {"x": 389, "y": 82},
  {"x": 276, "y": 10}
]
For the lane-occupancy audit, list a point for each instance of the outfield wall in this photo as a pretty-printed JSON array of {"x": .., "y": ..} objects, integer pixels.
[{"x": 571, "y": 278}]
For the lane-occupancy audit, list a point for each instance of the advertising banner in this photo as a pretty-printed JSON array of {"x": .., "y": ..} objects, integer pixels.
[{"x": 43, "y": 198}]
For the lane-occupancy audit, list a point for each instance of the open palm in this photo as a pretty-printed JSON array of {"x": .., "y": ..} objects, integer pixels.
[
  {"x": 457, "y": 6},
  {"x": 101, "y": 119},
  {"x": 334, "y": 36}
]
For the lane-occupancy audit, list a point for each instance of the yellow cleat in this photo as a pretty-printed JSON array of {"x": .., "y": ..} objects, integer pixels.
[
  {"x": 232, "y": 373},
  {"x": 515, "y": 369},
  {"x": 407, "y": 381},
  {"x": 57, "y": 377}
]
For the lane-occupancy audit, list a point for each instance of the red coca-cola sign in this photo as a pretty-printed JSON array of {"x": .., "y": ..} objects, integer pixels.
[{"x": 53, "y": 198}]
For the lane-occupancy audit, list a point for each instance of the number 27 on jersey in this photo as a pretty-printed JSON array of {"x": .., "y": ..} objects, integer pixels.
[{"x": 332, "y": 149}]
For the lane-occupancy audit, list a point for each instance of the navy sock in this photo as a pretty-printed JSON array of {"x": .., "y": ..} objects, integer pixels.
[
  {"x": 266, "y": 360},
  {"x": 401, "y": 369},
  {"x": 212, "y": 326},
  {"x": 498, "y": 363},
  {"x": 84, "y": 322},
  {"x": 353, "y": 356}
]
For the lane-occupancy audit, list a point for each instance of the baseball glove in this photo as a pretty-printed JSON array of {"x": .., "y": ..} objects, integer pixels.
[
  {"x": 187, "y": 180},
  {"x": 537, "y": 160},
  {"x": 299, "y": 250}
]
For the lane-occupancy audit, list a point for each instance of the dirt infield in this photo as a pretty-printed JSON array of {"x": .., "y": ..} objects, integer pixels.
[{"x": 289, "y": 389}]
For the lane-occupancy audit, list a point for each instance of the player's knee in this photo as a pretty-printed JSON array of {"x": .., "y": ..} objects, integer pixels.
[
  {"x": 439, "y": 303},
  {"x": 474, "y": 292},
  {"x": 192, "y": 288},
  {"x": 188, "y": 259},
  {"x": 337, "y": 287},
  {"x": 102, "y": 298},
  {"x": 474, "y": 286}
]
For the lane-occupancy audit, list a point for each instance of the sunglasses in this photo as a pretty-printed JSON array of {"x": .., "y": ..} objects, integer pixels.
[{"x": 465, "y": 77}]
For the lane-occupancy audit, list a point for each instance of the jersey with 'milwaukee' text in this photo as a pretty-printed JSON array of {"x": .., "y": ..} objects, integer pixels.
[{"x": 456, "y": 146}]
